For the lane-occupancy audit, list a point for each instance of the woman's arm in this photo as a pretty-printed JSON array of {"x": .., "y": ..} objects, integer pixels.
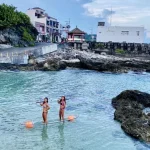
[
  {"x": 64, "y": 105},
  {"x": 58, "y": 101},
  {"x": 48, "y": 107}
]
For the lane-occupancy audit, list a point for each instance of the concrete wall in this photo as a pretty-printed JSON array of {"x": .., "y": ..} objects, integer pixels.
[
  {"x": 119, "y": 34},
  {"x": 22, "y": 58}
]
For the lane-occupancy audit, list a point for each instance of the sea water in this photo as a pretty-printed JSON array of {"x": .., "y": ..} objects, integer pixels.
[{"x": 89, "y": 95}]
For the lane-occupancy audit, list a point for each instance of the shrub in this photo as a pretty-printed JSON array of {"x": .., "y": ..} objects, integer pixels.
[
  {"x": 119, "y": 51},
  {"x": 11, "y": 18},
  {"x": 99, "y": 45},
  {"x": 26, "y": 36}
]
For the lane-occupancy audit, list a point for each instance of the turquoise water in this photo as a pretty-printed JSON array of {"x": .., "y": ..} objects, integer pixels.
[{"x": 89, "y": 96}]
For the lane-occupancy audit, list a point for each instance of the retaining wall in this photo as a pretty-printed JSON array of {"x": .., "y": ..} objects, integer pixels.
[{"x": 22, "y": 57}]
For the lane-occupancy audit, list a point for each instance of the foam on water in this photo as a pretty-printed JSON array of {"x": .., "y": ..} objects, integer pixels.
[{"x": 89, "y": 96}]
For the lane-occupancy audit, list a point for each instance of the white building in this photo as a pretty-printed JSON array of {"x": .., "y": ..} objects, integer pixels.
[
  {"x": 48, "y": 27},
  {"x": 119, "y": 34}
]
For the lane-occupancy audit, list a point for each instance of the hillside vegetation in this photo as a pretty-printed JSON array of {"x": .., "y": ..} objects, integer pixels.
[{"x": 15, "y": 27}]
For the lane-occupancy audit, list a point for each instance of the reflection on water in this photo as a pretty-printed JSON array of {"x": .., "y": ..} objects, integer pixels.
[
  {"x": 61, "y": 135},
  {"x": 44, "y": 133}
]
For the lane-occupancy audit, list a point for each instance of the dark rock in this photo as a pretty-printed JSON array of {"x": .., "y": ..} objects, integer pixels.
[
  {"x": 63, "y": 58},
  {"x": 112, "y": 63},
  {"x": 129, "y": 107},
  {"x": 131, "y": 96},
  {"x": 13, "y": 36}
]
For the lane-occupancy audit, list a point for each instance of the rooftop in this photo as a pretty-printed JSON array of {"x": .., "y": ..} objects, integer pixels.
[
  {"x": 77, "y": 31},
  {"x": 38, "y": 8}
]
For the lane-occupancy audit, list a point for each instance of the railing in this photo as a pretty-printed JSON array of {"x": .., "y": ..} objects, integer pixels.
[{"x": 76, "y": 40}]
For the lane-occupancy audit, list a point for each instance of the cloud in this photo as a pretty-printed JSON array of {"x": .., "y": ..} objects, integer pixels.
[{"x": 122, "y": 11}]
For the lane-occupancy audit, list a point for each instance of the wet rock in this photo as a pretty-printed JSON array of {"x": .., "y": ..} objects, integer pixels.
[
  {"x": 112, "y": 63},
  {"x": 72, "y": 63},
  {"x": 129, "y": 107},
  {"x": 32, "y": 61}
]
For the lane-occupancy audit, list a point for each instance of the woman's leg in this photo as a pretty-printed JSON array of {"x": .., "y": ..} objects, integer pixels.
[
  {"x": 43, "y": 117},
  {"x": 60, "y": 115}
]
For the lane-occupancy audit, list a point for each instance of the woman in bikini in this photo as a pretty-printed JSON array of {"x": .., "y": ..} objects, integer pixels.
[
  {"x": 62, "y": 103},
  {"x": 46, "y": 107}
]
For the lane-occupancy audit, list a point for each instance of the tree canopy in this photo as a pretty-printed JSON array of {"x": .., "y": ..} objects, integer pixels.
[{"x": 11, "y": 18}]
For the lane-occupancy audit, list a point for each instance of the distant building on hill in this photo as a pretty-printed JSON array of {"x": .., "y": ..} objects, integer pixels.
[
  {"x": 119, "y": 34},
  {"x": 47, "y": 26}
]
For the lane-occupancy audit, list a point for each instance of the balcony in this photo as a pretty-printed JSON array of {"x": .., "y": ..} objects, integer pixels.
[{"x": 80, "y": 40}]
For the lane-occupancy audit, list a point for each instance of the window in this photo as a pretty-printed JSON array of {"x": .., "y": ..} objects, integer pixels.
[
  {"x": 57, "y": 24},
  {"x": 138, "y": 33},
  {"x": 47, "y": 29},
  {"x": 37, "y": 15},
  {"x": 125, "y": 32},
  {"x": 77, "y": 36},
  {"x": 41, "y": 28},
  {"x": 54, "y": 24},
  {"x": 101, "y": 23},
  {"x": 51, "y": 23},
  {"x": 48, "y": 23}
]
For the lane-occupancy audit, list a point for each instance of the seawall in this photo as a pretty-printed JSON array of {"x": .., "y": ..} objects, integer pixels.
[{"x": 21, "y": 56}]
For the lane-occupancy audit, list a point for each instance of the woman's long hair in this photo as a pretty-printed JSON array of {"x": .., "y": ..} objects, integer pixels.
[
  {"x": 64, "y": 99},
  {"x": 46, "y": 99}
]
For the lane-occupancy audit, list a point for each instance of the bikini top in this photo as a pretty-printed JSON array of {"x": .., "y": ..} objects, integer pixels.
[
  {"x": 62, "y": 103},
  {"x": 44, "y": 106}
]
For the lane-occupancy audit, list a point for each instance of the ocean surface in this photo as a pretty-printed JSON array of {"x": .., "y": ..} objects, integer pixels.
[{"x": 89, "y": 95}]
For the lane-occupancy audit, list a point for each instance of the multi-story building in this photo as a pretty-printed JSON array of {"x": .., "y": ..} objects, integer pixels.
[
  {"x": 48, "y": 27},
  {"x": 119, "y": 34}
]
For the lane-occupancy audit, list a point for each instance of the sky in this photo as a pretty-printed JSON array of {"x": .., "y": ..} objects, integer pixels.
[{"x": 86, "y": 14}]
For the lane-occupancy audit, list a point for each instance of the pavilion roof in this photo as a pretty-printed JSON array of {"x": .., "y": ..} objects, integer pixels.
[{"x": 76, "y": 31}]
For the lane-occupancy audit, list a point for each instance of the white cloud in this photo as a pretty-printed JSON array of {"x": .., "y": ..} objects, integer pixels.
[{"x": 124, "y": 12}]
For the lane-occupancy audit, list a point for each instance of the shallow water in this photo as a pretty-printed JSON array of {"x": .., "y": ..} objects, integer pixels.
[{"x": 89, "y": 96}]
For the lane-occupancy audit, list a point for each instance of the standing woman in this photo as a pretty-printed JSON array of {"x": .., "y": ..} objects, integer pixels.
[
  {"x": 62, "y": 103},
  {"x": 45, "y": 109}
]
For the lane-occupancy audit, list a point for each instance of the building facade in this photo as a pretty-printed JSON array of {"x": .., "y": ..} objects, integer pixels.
[
  {"x": 119, "y": 34},
  {"x": 76, "y": 38},
  {"x": 48, "y": 27},
  {"x": 76, "y": 35}
]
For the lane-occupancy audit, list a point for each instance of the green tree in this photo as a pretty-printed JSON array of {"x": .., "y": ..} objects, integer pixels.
[{"x": 10, "y": 18}]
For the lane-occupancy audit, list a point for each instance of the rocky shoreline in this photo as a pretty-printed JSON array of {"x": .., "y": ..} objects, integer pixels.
[
  {"x": 61, "y": 59},
  {"x": 129, "y": 112}
]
